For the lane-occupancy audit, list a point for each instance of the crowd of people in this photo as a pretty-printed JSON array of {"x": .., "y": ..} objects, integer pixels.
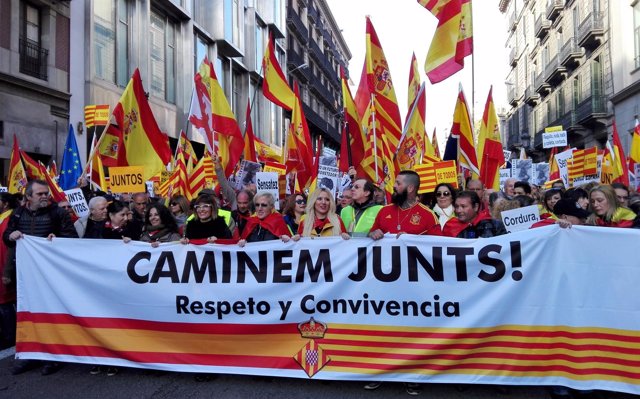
[{"x": 225, "y": 216}]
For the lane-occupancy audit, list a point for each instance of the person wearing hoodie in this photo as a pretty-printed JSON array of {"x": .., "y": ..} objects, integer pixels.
[{"x": 360, "y": 215}]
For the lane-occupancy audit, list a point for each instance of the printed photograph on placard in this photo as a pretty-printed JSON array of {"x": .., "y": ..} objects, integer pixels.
[
  {"x": 541, "y": 174},
  {"x": 522, "y": 169}
]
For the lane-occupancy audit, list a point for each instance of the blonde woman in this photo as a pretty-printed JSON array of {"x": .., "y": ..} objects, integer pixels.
[
  {"x": 606, "y": 208},
  {"x": 320, "y": 218}
]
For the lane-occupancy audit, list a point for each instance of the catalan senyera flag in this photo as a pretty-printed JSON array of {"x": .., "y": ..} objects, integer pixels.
[
  {"x": 230, "y": 140},
  {"x": 249, "y": 140},
  {"x": 203, "y": 175},
  {"x": 584, "y": 163},
  {"x": 275, "y": 86},
  {"x": 452, "y": 40},
  {"x": 411, "y": 148},
  {"x": 489, "y": 148},
  {"x": 380, "y": 163},
  {"x": 144, "y": 143},
  {"x": 462, "y": 129},
  {"x": 357, "y": 140},
  {"x": 17, "y": 175},
  {"x": 32, "y": 167},
  {"x": 299, "y": 153},
  {"x": 266, "y": 153},
  {"x": 96, "y": 115},
  {"x": 95, "y": 168},
  {"x": 189, "y": 153},
  {"x": 414, "y": 82},
  {"x": 179, "y": 177},
  {"x": 619, "y": 163},
  {"x": 380, "y": 85}
]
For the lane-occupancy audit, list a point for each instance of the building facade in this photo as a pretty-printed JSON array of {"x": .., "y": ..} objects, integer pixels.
[
  {"x": 34, "y": 78},
  {"x": 562, "y": 71}
]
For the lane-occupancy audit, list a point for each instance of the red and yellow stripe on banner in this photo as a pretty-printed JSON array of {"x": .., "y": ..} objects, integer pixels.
[{"x": 580, "y": 354}]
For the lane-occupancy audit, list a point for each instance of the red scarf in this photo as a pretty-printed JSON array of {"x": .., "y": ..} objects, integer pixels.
[
  {"x": 274, "y": 223},
  {"x": 454, "y": 226}
]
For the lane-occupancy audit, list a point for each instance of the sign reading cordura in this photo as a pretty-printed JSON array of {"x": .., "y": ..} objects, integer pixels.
[
  {"x": 521, "y": 218},
  {"x": 326, "y": 308},
  {"x": 127, "y": 179}
]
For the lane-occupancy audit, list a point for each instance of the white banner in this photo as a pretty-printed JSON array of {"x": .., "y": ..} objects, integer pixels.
[
  {"x": 561, "y": 160},
  {"x": 544, "y": 306}
]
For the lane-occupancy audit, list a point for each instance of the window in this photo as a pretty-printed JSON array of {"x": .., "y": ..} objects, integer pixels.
[
  {"x": 237, "y": 23},
  {"x": 636, "y": 33},
  {"x": 201, "y": 50},
  {"x": 33, "y": 58},
  {"x": 111, "y": 44},
  {"x": 577, "y": 92},
  {"x": 163, "y": 49},
  {"x": 260, "y": 47},
  {"x": 560, "y": 103}
]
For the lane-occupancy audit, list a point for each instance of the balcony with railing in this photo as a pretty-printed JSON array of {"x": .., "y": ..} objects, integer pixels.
[
  {"x": 541, "y": 27},
  {"x": 513, "y": 56},
  {"x": 316, "y": 52},
  {"x": 295, "y": 61},
  {"x": 531, "y": 97},
  {"x": 554, "y": 8},
  {"x": 570, "y": 53},
  {"x": 591, "y": 31},
  {"x": 541, "y": 86},
  {"x": 511, "y": 95},
  {"x": 591, "y": 110},
  {"x": 33, "y": 59},
  {"x": 294, "y": 22},
  {"x": 555, "y": 72},
  {"x": 319, "y": 123},
  {"x": 312, "y": 13},
  {"x": 512, "y": 21},
  {"x": 323, "y": 92}
]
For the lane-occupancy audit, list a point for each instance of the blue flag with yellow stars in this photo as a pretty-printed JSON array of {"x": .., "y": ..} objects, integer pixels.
[{"x": 71, "y": 169}]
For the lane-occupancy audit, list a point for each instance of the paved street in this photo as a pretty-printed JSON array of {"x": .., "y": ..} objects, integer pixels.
[{"x": 74, "y": 381}]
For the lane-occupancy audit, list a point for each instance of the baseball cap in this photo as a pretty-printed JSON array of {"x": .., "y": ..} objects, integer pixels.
[{"x": 569, "y": 207}]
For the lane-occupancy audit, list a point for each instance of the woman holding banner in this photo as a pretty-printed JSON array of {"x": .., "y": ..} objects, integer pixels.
[
  {"x": 442, "y": 205},
  {"x": 549, "y": 201},
  {"x": 159, "y": 226},
  {"x": 266, "y": 224},
  {"x": 294, "y": 209},
  {"x": 207, "y": 225},
  {"x": 118, "y": 225},
  {"x": 606, "y": 208},
  {"x": 320, "y": 218}
]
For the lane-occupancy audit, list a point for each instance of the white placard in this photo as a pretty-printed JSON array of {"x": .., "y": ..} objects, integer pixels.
[
  {"x": 149, "y": 184},
  {"x": 328, "y": 178},
  {"x": 268, "y": 181},
  {"x": 541, "y": 173},
  {"x": 247, "y": 174},
  {"x": 4, "y": 189},
  {"x": 521, "y": 218},
  {"x": 504, "y": 175},
  {"x": 77, "y": 202},
  {"x": 522, "y": 169},
  {"x": 345, "y": 182},
  {"x": 561, "y": 160},
  {"x": 507, "y": 155},
  {"x": 554, "y": 139}
]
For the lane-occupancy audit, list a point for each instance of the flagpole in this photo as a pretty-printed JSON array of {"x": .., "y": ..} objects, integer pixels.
[
  {"x": 473, "y": 77},
  {"x": 94, "y": 149},
  {"x": 375, "y": 139}
]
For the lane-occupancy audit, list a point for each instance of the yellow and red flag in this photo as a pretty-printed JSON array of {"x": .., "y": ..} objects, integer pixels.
[
  {"x": 111, "y": 147},
  {"x": 380, "y": 86},
  {"x": 189, "y": 153},
  {"x": 230, "y": 140},
  {"x": 554, "y": 171},
  {"x": 299, "y": 152},
  {"x": 462, "y": 129},
  {"x": 203, "y": 175},
  {"x": 52, "y": 169},
  {"x": 583, "y": 163},
  {"x": 266, "y": 153},
  {"x": 619, "y": 164},
  {"x": 489, "y": 149},
  {"x": 452, "y": 40},
  {"x": 411, "y": 148},
  {"x": 95, "y": 169},
  {"x": 32, "y": 167},
  {"x": 357, "y": 140},
  {"x": 275, "y": 86},
  {"x": 380, "y": 163},
  {"x": 144, "y": 143},
  {"x": 414, "y": 82},
  {"x": 57, "y": 194},
  {"x": 634, "y": 152},
  {"x": 434, "y": 144},
  {"x": 17, "y": 174},
  {"x": 249, "y": 140},
  {"x": 96, "y": 115}
]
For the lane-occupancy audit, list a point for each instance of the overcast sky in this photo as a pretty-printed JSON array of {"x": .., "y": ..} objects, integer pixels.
[{"x": 403, "y": 27}]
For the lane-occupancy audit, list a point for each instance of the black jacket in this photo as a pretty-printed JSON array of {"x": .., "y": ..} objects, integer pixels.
[{"x": 40, "y": 223}]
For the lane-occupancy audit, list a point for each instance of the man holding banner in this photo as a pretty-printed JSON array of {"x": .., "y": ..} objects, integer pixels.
[
  {"x": 469, "y": 221},
  {"x": 359, "y": 216}
]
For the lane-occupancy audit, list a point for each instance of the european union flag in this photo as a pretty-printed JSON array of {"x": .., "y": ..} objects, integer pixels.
[{"x": 71, "y": 169}]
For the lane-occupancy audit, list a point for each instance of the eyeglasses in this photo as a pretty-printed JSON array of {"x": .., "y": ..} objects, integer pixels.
[
  {"x": 301, "y": 202},
  {"x": 262, "y": 205},
  {"x": 202, "y": 206},
  {"x": 443, "y": 194}
]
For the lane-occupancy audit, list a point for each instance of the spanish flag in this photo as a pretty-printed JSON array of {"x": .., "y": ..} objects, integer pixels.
[
  {"x": 434, "y": 144},
  {"x": 411, "y": 148},
  {"x": 462, "y": 129},
  {"x": 32, "y": 167},
  {"x": 618, "y": 159},
  {"x": 489, "y": 149},
  {"x": 299, "y": 152},
  {"x": 414, "y": 82},
  {"x": 249, "y": 142},
  {"x": 452, "y": 40},
  {"x": 266, "y": 153},
  {"x": 17, "y": 174},
  {"x": 274, "y": 86},
  {"x": 95, "y": 169},
  {"x": 357, "y": 140},
  {"x": 144, "y": 143}
]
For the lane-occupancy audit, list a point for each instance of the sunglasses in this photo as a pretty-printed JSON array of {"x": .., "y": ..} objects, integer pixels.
[
  {"x": 202, "y": 206},
  {"x": 300, "y": 202},
  {"x": 174, "y": 204},
  {"x": 443, "y": 194},
  {"x": 261, "y": 205}
]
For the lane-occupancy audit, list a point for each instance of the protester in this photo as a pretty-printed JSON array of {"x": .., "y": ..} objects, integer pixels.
[
  {"x": 358, "y": 217},
  {"x": 569, "y": 213},
  {"x": 38, "y": 217},
  {"x": 622, "y": 193},
  {"x": 180, "y": 209},
  {"x": 293, "y": 210},
  {"x": 159, "y": 226},
  {"x": 118, "y": 225},
  {"x": 578, "y": 195},
  {"x": 320, "y": 218},
  {"x": 138, "y": 206},
  {"x": 522, "y": 188},
  {"x": 548, "y": 202},
  {"x": 478, "y": 186},
  {"x": 242, "y": 213},
  {"x": 207, "y": 224},
  {"x": 442, "y": 205},
  {"x": 405, "y": 214},
  {"x": 508, "y": 190},
  {"x": 345, "y": 200},
  {"x": 8, "y": 287},
  {"x": 558, "y": 185},
  {"x": 524, "y": 200},
  {"x": 503, "y": 205},
  {"x": 92, "y": 225},
  {"x": 379, "y": 196},
  {"x": 67, "y": 207},
  {"x": 266, "y": 224},
  {"x": 225, "y": 192},
  {"x": 469, "y": 221},
  {"x": 606, "y": 208}
]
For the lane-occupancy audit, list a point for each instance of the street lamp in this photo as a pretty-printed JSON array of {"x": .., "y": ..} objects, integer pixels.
[{"x": 303, "y": 66}]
